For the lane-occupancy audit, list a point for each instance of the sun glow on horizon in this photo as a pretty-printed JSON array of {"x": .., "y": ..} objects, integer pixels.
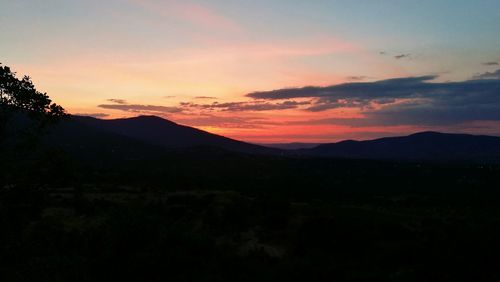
[{"x": 195, "y": 62}]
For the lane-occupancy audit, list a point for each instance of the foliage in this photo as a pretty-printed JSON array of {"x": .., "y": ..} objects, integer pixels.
[
  {"x": 19, "y": 100},
  {"x": 240, "y": 218},
  {"x": 21, "y": 94}
]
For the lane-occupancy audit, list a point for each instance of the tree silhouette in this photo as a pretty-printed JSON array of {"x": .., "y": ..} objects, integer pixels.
[{"x": 20, "y": 95}]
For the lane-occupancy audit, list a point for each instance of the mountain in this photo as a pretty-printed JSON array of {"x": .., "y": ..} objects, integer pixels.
[
  {"x": 432, "y": 146},
  {"x": 156, "y": 131},
  {"x": 147, "y": 137},
  {"x": 291, "y": 146},
  {"x": 85, "y": 143}
]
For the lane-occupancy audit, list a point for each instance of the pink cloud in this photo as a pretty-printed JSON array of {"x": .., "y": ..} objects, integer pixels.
[
  {"x": 203, "y": 16},
  {"x": 192, "y": 13}
]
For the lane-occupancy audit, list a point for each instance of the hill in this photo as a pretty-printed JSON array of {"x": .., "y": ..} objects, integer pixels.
[
  {"x": 432, "y": 146},
  {"x": 145, "y": 133}
]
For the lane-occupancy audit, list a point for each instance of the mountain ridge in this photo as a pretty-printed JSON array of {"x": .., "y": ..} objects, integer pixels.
[
  {"x": 162, "y": 132},
  {"x": 148, "y": 136},
  {"x": 427, "y": 145}
]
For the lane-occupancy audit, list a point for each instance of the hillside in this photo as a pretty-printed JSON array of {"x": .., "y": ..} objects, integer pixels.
[{"x": 431, "y": 146}]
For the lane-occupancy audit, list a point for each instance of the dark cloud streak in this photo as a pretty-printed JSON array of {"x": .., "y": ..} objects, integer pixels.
[
  {"x": 488, "y": 75},
  {"x": 247, "y": 106},
  {"x": 356, "y": 77},
  {"x": 118, "y": 101},
  {"x": 141, "y": 108},
  {"x": 396, "y": 87},
  {"x": 402, "y": 56},
  {"x": 206, "y": 97},
  {"x": 95, "y": 115},
  {"x": 404, "y": 101},
  {"x": 123, "y": 105},
  {"x": 224, "y": 121}
]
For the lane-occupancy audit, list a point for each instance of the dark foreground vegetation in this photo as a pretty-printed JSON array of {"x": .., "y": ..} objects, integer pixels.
[{"x": 229, "y": 217}]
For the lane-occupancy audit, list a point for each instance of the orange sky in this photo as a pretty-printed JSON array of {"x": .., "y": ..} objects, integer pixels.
[{"x": 176, "y": 58}]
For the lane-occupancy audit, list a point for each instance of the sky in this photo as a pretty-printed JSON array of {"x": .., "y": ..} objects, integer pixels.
[{"x": 268, "y": 71}]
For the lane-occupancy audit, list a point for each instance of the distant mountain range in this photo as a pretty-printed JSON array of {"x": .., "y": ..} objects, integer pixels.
[
  {"x": 144, "y": 137},
  {"x": 432, "y": 146}
]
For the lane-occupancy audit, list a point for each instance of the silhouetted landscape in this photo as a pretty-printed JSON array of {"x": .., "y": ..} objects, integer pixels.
[
  {"x": 112, "y": 200},
  {"x": 249, "y": 141},
  {"x": 144, "y": 137}
]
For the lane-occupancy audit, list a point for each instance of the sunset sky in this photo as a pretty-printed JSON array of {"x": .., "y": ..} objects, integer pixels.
[{"x": 266, "y": 71}]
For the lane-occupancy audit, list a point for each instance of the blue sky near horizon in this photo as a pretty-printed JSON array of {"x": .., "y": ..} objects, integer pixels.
[{"x": 168, "y": 53}]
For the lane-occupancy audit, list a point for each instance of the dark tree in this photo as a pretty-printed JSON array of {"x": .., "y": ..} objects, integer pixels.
[{"x": 21, "y": 96}]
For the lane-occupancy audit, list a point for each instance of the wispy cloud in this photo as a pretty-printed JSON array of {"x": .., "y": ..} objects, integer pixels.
[
  {"x": 123, "y": 105},
  {"x": 118, "y": 101},
  {"x": 246, "y": 106},
  {"x": 356, "y": 78},
  {"x": 205, "y": 97},
  {"x": 196, "y": 14},
  {"x": 141, "y": 108},
  {"x": 204, "y": 16},
  {"x": 96, "y": 115},
  {"x": 488, "y": 75},
  {"x": 223, "y": 121},
  {"x": 402, "y": 56}
]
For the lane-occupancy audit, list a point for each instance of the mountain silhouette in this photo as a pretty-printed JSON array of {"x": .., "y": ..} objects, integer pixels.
[
  {"x": 97, "y": 145},
  {"x": 147, "y": 137},
  {"x": 159, "y": 132},
  {"x": 432, "y": 146}
]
